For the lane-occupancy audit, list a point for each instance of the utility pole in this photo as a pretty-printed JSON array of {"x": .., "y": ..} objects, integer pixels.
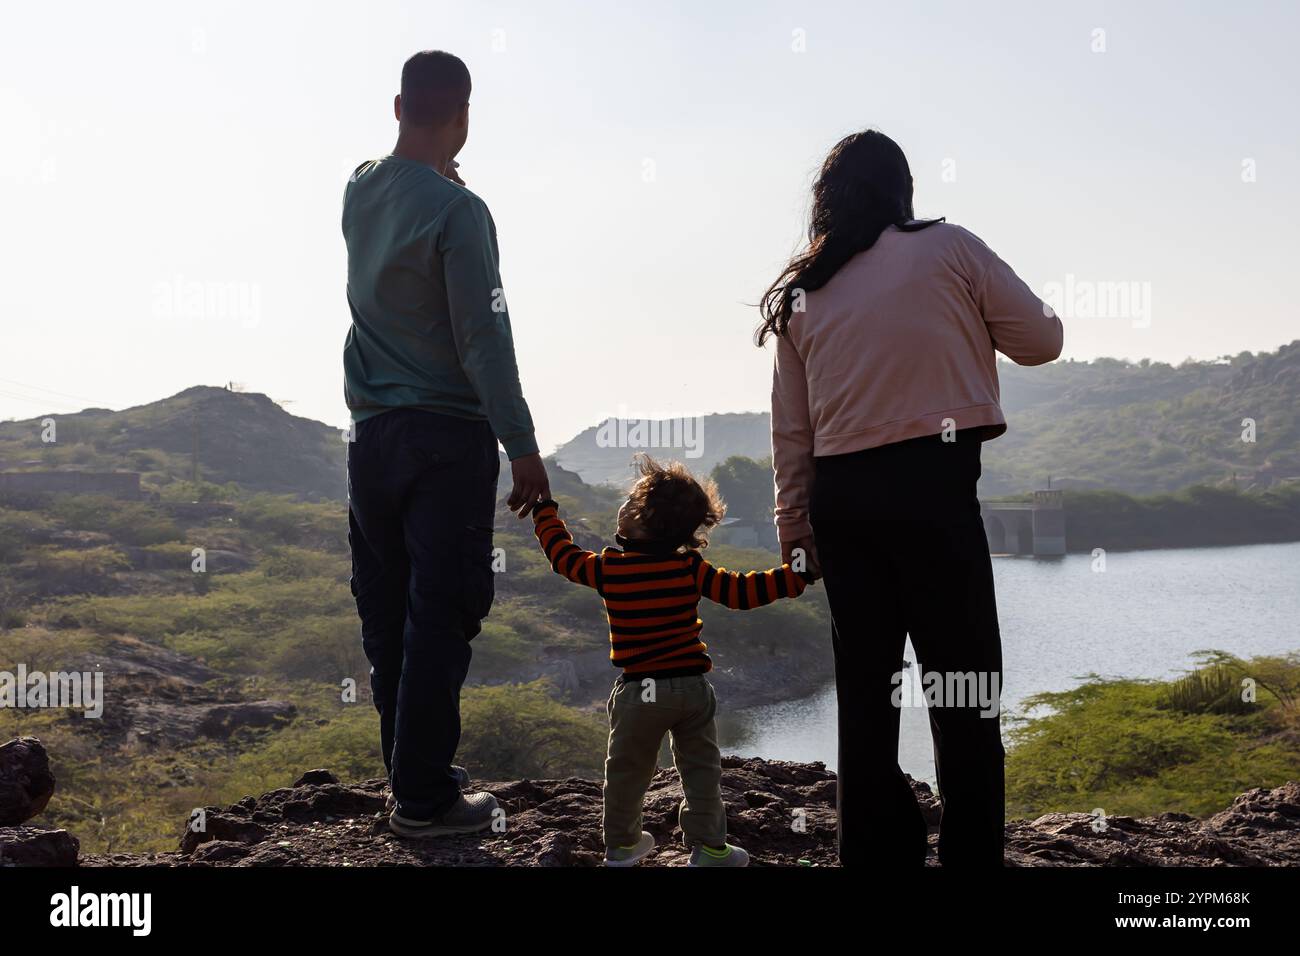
[{"x": 194, "y": 448}]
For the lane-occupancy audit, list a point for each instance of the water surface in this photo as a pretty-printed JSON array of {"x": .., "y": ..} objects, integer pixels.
[{"x": 1145, "y": 615}]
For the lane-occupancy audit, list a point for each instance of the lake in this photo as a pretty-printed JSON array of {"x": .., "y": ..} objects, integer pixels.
[{"x": 1145, "y": 615}]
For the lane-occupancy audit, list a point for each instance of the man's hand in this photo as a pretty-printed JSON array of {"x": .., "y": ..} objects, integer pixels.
[
  {"x": 801, "y": 555},
  {"x": 531, "y": 484},
  {"x": 450, "y": 173}
]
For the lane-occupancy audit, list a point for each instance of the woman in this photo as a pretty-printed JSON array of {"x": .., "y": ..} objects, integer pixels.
[{"x": 885, "y": 385}]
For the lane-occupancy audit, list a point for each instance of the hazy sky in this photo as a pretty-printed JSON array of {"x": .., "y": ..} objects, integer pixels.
[{"x": 172, "y": 173}]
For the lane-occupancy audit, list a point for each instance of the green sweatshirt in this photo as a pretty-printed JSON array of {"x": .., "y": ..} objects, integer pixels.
[{"x": 429, "y": 322}]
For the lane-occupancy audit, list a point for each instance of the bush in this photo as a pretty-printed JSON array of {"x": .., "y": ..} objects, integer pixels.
[
  {"x": 1145, "y": 747},
  {"x": 317, "y": 525},
  {"x": 1208, "y": 690},
  {"x": 85, "y": 571},
  {"x": 499, "y": 649},
  {"x": 198, "y": 491},
  {"x": 130, "y": 522},
  {"x": 518, "y": 730},
  {"x": 15, "y": 529},
  {"x": 343, "y": 738},
  {"x": 11, "y": 617}
]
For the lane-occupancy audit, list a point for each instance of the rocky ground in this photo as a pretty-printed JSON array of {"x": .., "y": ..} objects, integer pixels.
[
  {"x": 154, "y": 697},
  {"x": 783, "y": 813},
  {"x": 320, "y": 822}
]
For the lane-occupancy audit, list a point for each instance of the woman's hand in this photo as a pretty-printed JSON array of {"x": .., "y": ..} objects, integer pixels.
[{"x": 801, "y": 555}]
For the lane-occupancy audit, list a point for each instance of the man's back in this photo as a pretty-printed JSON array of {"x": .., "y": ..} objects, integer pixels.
[
  {"x": 432, "y": 384},
  {"x": 429, "y": 324}
]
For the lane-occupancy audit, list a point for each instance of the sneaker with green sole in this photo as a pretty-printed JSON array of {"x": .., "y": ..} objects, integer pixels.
[
  {"x": 630, "y": 855},
  {"x": 727, "y": 856}
]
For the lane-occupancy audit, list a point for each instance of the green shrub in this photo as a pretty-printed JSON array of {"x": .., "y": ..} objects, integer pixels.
[
  {"x": 86, "y": 570},
  {"x": 518, "y": 730},
  {"x": 499, "y": 649},
  {"x": 1145, "y": 747},
  {"x": 319, "y": 525},
  {"x": 181, "y": 491},
  {"x": 16, "y": 528},
  {"x": 1208, "y": 690},
  {"x": 295, "y": 564},
  {"x": 129, "y": 522}
]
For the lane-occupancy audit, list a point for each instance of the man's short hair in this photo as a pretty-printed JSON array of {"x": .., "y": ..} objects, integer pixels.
[{"x": 435, "y": 85}]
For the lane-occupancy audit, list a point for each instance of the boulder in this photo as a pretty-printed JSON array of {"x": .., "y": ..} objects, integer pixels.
[
  {"x": 312, "y": 777},
  {"x": 221, "y": 720},
  {"x": 33, "y": 846},
  {"x": 225, "y": 827},
  {"x": 26, "y": 782}
]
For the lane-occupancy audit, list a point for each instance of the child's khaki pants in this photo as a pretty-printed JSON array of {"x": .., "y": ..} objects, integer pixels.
[{"x": 640, "y": 713}]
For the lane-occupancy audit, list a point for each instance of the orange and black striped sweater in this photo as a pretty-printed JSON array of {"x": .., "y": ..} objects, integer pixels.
[{"x": 652, "y": 595}]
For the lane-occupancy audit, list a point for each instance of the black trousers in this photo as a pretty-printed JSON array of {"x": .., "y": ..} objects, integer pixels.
[
  {"x": 903, "y": 551},
  {"x": 421, "y": 501}
]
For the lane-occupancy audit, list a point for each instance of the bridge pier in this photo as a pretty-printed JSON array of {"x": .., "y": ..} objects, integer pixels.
[{"x": 1036, "y": 528}]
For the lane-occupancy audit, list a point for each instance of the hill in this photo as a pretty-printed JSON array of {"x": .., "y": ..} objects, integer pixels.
[
  {"x": 708, "y": 442},
  {"x": 224, "y": 436},
  {"x": 1141, "y": 428}
]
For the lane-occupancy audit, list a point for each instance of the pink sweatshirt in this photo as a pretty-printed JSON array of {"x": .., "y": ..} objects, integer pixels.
[{"x": 900, "y": 339}]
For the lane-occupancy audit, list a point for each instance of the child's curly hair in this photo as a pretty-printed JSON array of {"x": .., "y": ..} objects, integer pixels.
[{"x": 672, "y": 506}]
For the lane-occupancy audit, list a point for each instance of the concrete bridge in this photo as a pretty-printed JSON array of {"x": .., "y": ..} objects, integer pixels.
[{"x": 1036, "y": 527}]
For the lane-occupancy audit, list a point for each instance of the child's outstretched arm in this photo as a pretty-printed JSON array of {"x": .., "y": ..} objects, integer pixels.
[
  {"x": 566, "y": 557},
  {"x": 744, "y": 591}
]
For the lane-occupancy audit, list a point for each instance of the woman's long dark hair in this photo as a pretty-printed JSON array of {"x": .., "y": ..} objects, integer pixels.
[{"x": 864, "y": 187}]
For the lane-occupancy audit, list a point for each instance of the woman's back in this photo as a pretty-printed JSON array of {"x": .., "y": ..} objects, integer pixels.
[
  {"x": 900, "y": 343},
  {"x": 904, "y": 336}
]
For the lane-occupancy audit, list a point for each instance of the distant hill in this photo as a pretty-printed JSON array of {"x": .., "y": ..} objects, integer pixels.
[
  {"x": 1141, "y": 428},
  {"x": 233, "y": 436},
  {"x": 1146, "y": 428},
  {"x": 717, "y": 438}
]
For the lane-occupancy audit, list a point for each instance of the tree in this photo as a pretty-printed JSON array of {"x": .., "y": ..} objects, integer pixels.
[{"x": 746, "y": 485}]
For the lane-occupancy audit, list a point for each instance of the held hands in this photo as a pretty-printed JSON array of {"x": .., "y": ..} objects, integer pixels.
[
  {"x": 531, "y": 484},
  {"x": 801, "y": 555}
]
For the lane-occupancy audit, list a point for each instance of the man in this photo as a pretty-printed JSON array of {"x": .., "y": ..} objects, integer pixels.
[{"x": 432, "y": 384}]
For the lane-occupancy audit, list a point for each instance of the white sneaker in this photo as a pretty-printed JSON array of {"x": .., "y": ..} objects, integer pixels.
[
  {"x": 729, "y": 856},
  {"x": 630, "y": 855}
]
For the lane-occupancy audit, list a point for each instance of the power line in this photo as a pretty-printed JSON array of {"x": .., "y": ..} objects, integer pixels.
[
  {"x": 52, "y": 391},
  {"x": 38, "y": 401}
]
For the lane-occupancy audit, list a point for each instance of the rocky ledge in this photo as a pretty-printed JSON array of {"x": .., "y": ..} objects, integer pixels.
[{"x": 783, "y": 813}]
